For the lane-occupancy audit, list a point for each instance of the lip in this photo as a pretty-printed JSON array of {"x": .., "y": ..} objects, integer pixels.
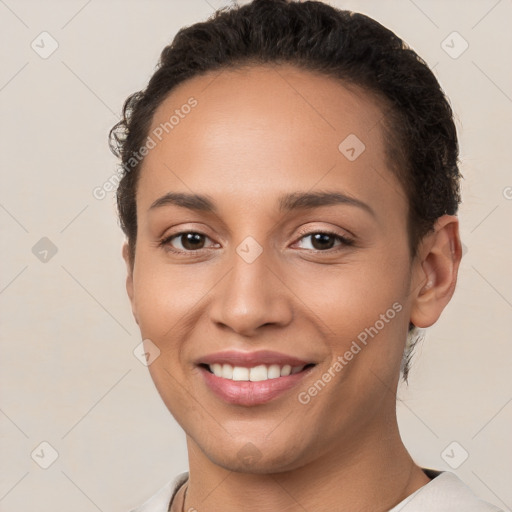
[
  {"x": 249, "y": 359},
  {"x": 248, "y": 393}
]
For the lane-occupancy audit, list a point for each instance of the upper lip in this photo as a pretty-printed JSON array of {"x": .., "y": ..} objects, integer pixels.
[{"x": 250, "y": 359}]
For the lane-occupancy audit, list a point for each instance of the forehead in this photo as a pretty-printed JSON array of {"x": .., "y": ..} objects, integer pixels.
[{"x": 262, "y": 130}]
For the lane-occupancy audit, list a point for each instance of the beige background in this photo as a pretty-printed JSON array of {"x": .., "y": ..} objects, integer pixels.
[{"x": 68, "y": 373}]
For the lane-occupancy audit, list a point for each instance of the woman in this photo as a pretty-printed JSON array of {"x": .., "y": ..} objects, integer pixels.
[{"x": 289, "y": 200}]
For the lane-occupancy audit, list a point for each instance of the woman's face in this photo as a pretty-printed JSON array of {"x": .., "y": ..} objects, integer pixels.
[{"x": 255, "y": 273}]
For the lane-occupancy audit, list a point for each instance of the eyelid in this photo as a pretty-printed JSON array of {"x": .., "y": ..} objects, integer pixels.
[
  {"x": 166, "y": 240},
  {"x": 182, "y": 229},
  {"x": 346, "y": 241}
]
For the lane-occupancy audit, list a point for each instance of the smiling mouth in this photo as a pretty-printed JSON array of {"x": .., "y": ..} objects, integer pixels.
[{"x": 256, "y": 373}]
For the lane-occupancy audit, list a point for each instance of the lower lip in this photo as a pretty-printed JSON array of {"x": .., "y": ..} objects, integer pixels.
[{"x": 251, "y": 393}]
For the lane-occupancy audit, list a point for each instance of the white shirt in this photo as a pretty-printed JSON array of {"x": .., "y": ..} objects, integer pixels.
[{"x": 446, "y": 492}]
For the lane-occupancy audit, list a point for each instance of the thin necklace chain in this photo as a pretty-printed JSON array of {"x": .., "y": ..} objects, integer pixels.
[
  {"x": 184, "y": 498},
  {"x": 186, "y": 490}
]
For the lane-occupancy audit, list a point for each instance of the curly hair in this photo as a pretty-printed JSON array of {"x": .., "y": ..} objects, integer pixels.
[{"x": 422, "y": 148}]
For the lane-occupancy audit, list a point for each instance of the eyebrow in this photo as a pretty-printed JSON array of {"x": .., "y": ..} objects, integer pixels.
[{"x": 287, "y": 202}]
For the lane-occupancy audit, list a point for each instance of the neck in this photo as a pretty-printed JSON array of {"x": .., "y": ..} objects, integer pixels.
[{"x": 371, "y": 472}]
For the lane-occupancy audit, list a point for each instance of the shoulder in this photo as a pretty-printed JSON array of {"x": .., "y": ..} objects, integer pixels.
[
  {"x": 446, "y": 492},
  {"x": 160, "y": 502}
]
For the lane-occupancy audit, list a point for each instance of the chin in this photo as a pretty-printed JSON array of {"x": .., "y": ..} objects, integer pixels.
[{"x": 255, "y": 458}]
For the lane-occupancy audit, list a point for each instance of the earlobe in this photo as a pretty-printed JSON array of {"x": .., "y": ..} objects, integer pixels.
[
  {"x": 436, "y": 271},
  {"x": 129, "y": 278}
]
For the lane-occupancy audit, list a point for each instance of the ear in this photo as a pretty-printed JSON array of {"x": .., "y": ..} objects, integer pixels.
[
  {"x": 435, "y": 271},
  {"x": 129, "y": 277}
]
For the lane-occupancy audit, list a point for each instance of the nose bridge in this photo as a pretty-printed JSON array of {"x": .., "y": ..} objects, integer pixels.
[{"x": 251, "y": 294}]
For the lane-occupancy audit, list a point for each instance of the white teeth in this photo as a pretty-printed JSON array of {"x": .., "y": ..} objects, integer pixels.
[
  {"x": 286, "y": 370},
  {"x": 258, "y": 373},
  {"x": 240, "y": 373},
  {"x": 254, "y": 374},
  {"x": 227, "y": 371},
  {"x": 274, "y": 371},
  {"x": 216, "y": 369}
]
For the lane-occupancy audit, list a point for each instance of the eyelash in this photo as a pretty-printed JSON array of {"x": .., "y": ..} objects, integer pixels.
[{"x": 345, "y": 241}]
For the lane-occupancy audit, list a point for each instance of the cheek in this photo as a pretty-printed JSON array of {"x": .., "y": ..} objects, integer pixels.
[
  {"x": 167, "y": 301},
  {"x": 350, "y": 297},
  {"x": 362, "y": 310},
  {"x": 347, "y": 299},
  {"x": 165, "y": 296}
]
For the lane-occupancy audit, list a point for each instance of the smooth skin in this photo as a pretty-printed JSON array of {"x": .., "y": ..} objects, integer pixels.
[{"x": 258, "y": 133}]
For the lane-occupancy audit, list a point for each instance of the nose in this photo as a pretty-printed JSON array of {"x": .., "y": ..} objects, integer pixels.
[{"x": 252, "y": 295}]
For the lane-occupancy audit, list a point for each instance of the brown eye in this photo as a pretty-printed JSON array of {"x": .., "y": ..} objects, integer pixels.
[
  {"x": 324, "y": 241},
  {"x": 191, "y": 241},
  {"x": 185, "y": 241}
]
